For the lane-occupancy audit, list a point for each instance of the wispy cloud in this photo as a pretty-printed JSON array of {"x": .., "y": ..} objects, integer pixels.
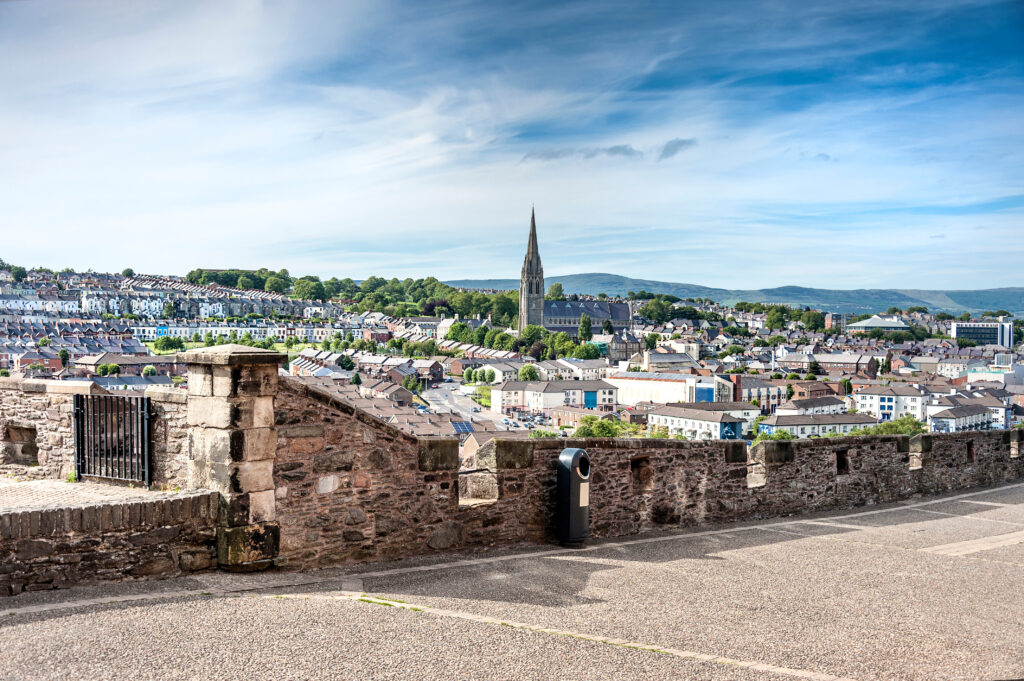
[
  {"x": 372, "y": 138},
  {"x": 674, "y": 146},
  {"x": 619, "y": 150}
]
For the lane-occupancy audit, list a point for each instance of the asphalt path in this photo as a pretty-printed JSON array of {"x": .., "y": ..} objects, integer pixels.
[{"x": 927, "y": 589}]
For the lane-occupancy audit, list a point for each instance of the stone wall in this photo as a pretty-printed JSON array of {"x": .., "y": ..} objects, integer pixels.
[
  {"x": 49, "y": 548},
  {"x": 171, "y": 460},
  {"x": 351, "y": 488},
  {"x": 43, "y": 409}
]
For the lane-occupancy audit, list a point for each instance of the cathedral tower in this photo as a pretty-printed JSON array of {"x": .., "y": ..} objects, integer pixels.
[{"x": 531, "y": 283}]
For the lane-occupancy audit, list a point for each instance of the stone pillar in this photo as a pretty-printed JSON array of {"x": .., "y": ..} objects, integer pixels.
[{"x": 232, "y": 441}]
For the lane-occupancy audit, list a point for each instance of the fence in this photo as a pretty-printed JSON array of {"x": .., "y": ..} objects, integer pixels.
[{"x": 112, "y": 437}]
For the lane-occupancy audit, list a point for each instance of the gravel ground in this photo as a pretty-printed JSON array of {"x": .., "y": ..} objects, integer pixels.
[{"x": 849, "y": 595}]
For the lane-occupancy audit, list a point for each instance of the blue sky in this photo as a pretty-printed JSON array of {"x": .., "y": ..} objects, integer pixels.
[{"x": 733, "y": 144}]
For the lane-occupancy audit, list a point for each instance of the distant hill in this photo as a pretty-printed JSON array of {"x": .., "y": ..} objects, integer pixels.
[{"x": 855, "y": 301}]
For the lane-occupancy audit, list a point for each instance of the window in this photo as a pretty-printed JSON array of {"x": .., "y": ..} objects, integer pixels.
[{"x": 970, "y": 451}]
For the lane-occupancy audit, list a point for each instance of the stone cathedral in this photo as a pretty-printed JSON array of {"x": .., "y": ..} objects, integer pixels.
[{"x": 531, "y": 282}]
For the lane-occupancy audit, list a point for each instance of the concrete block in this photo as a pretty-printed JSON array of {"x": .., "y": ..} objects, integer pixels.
[
  {"x": 776, "y": 451},
  {"x": 262, "y": 506},
  {"x": 245, "y": 381},
  {"x": 252, "y": 476},
  {"x": 513, "y": 453},
  {"x": 211, "y": 444},
  {"x": 256, "y": 543},
  {"x": 200, "y": 381},
  {"x": 735, "y": 451},
  {"x": 210, "y": 412},
  {"x": 437, "y": 454},
  {"x": 257, "y": 444}
]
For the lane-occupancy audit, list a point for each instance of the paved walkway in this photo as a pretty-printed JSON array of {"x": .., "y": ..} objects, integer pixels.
[
  {"x": 37, "y": 494},
  {"x": 927, "y": 590}
]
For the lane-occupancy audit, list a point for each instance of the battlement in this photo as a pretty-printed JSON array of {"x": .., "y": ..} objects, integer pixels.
[{"x": 306, "y": 478}]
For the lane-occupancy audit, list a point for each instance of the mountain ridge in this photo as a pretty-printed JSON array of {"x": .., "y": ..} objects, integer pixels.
[{"x": 834, "y": 300}]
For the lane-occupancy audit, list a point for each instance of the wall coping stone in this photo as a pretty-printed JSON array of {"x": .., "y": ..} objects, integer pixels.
[
  {"x": 160, "y": 393},
  {"x": 231, "y": 354},
  {"x": 42, "y": 385}
]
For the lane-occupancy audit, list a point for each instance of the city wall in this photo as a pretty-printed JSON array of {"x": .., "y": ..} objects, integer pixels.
[
  {"x": 350, "y": 488},
  {"x": 302, "y": 478}
]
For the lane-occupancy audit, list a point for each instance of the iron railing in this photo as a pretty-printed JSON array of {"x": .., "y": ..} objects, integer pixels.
[{"x": 112, "y": 438}]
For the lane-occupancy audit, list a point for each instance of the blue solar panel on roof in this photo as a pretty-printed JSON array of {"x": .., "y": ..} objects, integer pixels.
[{"x": 462, "y": 426}]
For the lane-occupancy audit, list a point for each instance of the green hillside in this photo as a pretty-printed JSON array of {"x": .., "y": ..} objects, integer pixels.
[{"x": 856, "y": 301}]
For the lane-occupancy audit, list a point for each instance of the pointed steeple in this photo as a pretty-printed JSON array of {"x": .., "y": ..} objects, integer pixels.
[
  {"x": 531, "y": 247},
  {"x": 531, "y": 282}
]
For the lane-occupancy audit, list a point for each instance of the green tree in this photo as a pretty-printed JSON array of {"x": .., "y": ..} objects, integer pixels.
[
  {"x": 308, "y": 289},
  {"x": 528, "y": 373},
  {"x": 113, "y": 369},
  {"x": 813, "y": 320},
  {"x": 356, "y": 380},
  {"x": 245, "y": 282},
  {"x": 965, "y": 343},
  {"x": 43, "y": 342},
  {"x": 585, "y": 332},
  {"x": 346, "y": 363},
  {"x": 651, "y": 341},
  {"x": 777, "y": 435},
  {"x": 168, "y": 343},
  {"x": 129, "y": 272},
  {"x": 63, "y": 355},
  {"x": 607, "y": 328},
  {"x": 489, "y": 376},
  {"x": 555, "y": 292},
  {"x": 411, "y": 383},
  {"x": 775, "y": 318},
  {"x": 149, "y": 370},
  {"x": 657, "y": 310},
  {"x": 275, "y": 285},
  {"x": 468, "y": 375},
  {"x": 18, "y": 273}
]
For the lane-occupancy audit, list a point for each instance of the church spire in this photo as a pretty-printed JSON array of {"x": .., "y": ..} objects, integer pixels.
[
  {"x": 531, "y": 247},
  {"x": 531, "y": 282}
]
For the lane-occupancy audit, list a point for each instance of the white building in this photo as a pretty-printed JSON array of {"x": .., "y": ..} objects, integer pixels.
[
  {"x": 889, "y": 402},
  {"x": 955, "y": 419},
  {"x": 814, "y": 425},
  {"x": 540, "y": 396},
  {"x": 661, "y": 388},
  {"x": 696, "y": 424},
  {"x": 812, "y": 405}
]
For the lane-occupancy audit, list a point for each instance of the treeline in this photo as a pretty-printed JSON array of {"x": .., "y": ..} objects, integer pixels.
[{"x": 535, "y": 341}]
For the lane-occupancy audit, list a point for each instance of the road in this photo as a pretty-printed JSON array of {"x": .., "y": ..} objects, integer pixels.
[
  {"x": 929, "y": 589},
  {"x": 447, "y": 398}
]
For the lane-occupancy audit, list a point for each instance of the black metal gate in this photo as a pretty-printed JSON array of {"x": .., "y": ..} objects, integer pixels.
[{"x": 112, "y": 437}]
